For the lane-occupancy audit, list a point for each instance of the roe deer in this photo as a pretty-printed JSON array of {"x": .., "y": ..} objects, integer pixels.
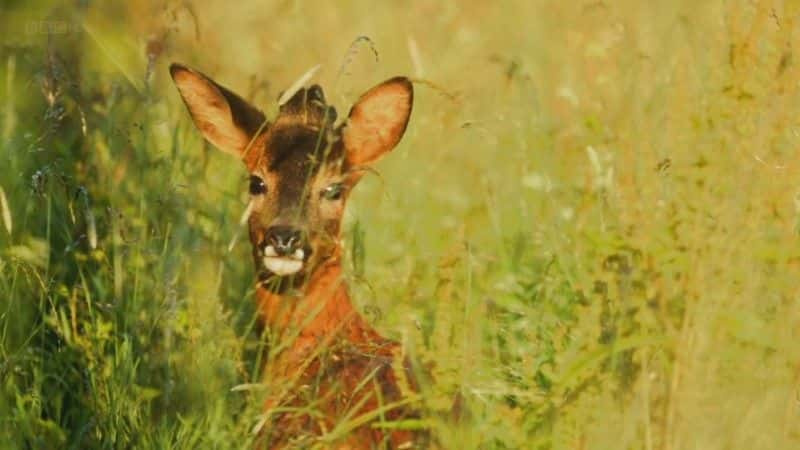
[{"x": 302, "y": 167}]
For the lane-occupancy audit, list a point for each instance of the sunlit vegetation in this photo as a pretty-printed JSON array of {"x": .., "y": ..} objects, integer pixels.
[{"x": 588, "y": 235}]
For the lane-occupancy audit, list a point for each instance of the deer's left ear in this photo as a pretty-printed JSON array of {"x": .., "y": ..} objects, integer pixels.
[
  {"x": 225, "y": 119},
  {"x": 377, "y": 121}
]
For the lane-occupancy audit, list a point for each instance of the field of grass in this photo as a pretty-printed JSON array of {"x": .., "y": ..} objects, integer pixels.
[{"x": 590, "y": 229}]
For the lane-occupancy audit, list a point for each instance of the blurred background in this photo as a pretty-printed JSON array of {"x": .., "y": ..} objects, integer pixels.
[{"x": 589, "y": 231}]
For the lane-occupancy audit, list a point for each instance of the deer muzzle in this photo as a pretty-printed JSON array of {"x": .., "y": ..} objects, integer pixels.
[{"x": 284, "y": 251}]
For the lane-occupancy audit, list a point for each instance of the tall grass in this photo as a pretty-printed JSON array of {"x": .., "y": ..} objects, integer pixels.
[{"x": 588, "y": 234}]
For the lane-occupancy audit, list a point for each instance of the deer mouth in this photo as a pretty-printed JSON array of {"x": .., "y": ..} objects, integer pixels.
[{"x": 283, "y": 265}]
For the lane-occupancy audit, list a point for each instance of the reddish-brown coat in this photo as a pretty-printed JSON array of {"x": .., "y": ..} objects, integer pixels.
[
  {"x": 332, "y": 350},
  {"x": 327, "y": 365}
]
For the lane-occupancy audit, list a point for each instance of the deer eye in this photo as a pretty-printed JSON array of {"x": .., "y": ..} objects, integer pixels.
[
  {"x": 257, "y": 186},
  {"x": 333, "y": 192}
]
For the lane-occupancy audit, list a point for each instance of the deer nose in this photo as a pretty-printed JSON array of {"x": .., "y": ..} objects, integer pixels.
[{"x": 285, "y": 240}]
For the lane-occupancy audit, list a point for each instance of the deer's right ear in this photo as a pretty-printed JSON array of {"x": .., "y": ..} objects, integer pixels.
[
  {"x": 377, "y": 121},
  {"x": 225, "y": 119}
]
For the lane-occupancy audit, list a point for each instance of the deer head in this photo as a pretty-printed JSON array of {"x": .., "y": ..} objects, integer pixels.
[{"x": 302, "y": 164}]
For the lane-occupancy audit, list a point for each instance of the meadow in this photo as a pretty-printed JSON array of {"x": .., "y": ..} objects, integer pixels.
[{"x": 589, "y": 233}]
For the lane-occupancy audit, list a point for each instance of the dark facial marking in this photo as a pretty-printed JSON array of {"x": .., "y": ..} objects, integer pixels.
[
  {"x": 300, "y": 144},
  {"x": 294, "y": 144}
]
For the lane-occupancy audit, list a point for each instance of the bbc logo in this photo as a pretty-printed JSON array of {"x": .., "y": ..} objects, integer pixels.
[{"x": 51, "y": 27}]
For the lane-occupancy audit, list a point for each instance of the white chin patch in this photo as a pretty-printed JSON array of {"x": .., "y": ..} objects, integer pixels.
[{"x": 282, "y": 266}]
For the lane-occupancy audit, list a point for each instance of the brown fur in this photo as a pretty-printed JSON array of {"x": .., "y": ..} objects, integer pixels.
[
  {"x": 334, "y": 352},
  {"x": 331, "y": 365}
]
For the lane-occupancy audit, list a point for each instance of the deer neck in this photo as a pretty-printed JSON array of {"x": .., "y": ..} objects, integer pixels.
[{"x": 321, "y": 308}]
